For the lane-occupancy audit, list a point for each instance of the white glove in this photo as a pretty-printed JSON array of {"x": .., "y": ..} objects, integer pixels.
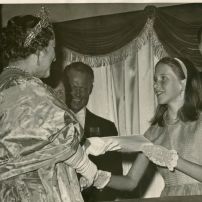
[
  {"x": 161, "y": 156},
  {"x": 81, "y": 163},
  {"x": 101, "y": 180},
  {"x": 97, "y": 146}
]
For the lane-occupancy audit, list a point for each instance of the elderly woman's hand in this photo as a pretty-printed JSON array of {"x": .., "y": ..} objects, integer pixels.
[
  {"x": 97, "y": 146},
  {"x": 101, "y": 180}
]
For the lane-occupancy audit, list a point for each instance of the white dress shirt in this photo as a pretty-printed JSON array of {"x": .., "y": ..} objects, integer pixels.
[{"x": 81, "y": 115}]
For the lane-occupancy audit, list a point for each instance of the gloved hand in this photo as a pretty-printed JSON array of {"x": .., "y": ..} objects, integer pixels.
[
  {"x": 97, "y": 146},
  {"x": 161, "y": 156},
  {"x": 101, "y": 180},
  {"x": 82, "y": 164}
]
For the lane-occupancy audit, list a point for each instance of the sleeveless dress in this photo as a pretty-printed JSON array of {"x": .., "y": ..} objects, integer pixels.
[{"x": 186, "y": 139}]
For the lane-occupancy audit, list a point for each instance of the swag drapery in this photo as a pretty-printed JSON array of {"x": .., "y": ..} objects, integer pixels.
[
  {"x": 127, "y": 46},
  {"x": 106, "y": 39}
]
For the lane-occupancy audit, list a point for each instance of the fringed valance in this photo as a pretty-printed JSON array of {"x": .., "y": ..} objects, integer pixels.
[
  {"x": 120, "y": 54},
  {"x": 105, "y": 40}
]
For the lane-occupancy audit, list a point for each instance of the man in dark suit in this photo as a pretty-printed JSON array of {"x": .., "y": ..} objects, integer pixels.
[{"x": 78, "y": 80}]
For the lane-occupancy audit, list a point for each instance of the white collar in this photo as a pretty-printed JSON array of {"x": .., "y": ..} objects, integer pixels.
[
  {"x": 81, "y": 116},
  {"x": 81, "y": 112}
]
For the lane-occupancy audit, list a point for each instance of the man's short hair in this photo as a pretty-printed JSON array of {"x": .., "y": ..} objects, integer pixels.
[{"x": 80, "y": 67}]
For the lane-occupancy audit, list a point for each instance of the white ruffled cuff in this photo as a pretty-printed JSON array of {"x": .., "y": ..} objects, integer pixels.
[{"x": 102, "y": 179}]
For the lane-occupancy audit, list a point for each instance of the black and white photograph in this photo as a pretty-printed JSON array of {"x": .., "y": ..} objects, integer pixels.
[{"x": 100, "y": 101}]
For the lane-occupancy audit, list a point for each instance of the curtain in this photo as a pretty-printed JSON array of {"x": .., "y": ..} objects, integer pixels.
[
  {"x": 103, "y": 96},
  {"x": 100, "y": 35},
  {"x": 178, "y": 37},
  {"x": 105, "y": 40}
]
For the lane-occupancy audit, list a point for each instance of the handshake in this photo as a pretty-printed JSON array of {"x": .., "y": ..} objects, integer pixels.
[
  {"x": 137, "y": 143},
  {"x": 97, "y": 146}
]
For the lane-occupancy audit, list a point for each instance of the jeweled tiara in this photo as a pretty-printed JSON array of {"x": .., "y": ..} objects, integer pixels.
[{"x": 43, "y": 23}]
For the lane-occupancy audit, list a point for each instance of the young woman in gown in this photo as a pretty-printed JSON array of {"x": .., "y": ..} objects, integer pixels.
[{"x": 175, "y": 131}]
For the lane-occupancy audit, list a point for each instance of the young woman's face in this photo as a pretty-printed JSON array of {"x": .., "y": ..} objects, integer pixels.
[
  {"x": 167, "y": 85},
  {"x": 46, "y": 57}
]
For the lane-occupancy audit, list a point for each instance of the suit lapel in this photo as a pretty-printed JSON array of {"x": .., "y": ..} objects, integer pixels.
[{"x": 90, "y": 119}]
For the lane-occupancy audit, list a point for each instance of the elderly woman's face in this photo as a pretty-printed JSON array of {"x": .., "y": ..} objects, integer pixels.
[{"x": 47, "y": 56}]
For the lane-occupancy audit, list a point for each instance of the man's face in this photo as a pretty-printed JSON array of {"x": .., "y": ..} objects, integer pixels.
[{"x": 80, "y": 87}]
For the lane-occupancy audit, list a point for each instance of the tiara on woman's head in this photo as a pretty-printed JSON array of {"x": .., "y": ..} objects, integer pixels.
[{"x": 43, "y": 23}]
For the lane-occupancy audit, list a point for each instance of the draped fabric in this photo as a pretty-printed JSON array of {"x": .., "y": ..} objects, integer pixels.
[
  {"x": 98, "y": 36},
  {"x": 178, "y": 38},
  {"x": 38, "y": 135},
  {"x": 103, "y": 96},
  {"x": 107, "y": 39}
]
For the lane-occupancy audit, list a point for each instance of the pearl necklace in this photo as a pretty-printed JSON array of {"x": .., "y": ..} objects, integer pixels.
[{"x": 16, "y": 68}]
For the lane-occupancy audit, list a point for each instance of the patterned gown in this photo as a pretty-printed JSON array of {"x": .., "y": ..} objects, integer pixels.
[
  {"x": 186, "y": 139},
  {"x": 38, "y": 134}
]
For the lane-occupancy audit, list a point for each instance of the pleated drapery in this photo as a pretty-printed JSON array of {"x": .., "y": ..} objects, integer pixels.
[{"x": 108, "y": 39}]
